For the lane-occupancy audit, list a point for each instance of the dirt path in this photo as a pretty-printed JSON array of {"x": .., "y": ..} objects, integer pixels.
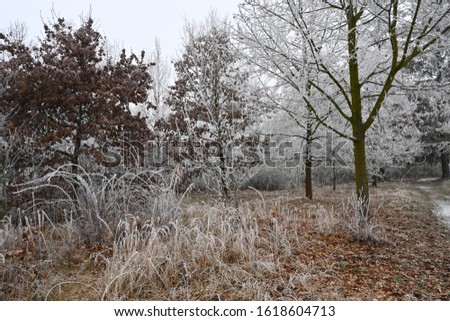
[{"x": 439, "y": 193}]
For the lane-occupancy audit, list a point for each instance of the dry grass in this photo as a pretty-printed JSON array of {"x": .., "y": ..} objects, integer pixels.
[
  {"x": 209, "y": 251},
  {"x": 276, "y": 246}
]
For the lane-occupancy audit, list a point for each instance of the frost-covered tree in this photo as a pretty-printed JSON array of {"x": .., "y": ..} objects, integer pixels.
[
  {"x": 393, "y": 141},
  {"x": 160, "y": 72},
  {"x": 356, "y": 49},
  {"x": 431, "y": 97},
  {"x": 17, "y": 34},
  {"x": 209, "y": 103},
  {"x": 289, "y": 119}
]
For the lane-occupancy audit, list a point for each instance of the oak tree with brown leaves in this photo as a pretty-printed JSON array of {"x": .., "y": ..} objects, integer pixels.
[{"x": 68, "y": 97}]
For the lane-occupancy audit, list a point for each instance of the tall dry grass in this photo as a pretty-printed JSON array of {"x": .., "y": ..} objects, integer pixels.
[
  {"x": 208, "y": 251},
  {"x": 153, "y": 246}
]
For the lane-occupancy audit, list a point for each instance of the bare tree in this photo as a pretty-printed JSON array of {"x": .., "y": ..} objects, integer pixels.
[
  {"x": 161, "y": 73},
  {"x": 355, "y": 48}
]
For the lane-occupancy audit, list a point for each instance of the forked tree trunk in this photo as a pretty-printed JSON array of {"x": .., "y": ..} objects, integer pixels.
[{"x": 358, "y": 127}]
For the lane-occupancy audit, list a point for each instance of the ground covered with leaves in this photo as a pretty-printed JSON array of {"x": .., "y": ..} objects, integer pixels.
[{"x": 276, "y": 246}]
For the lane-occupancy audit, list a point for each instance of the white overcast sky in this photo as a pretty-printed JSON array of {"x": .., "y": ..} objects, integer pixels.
[{"x": 130, "y": 23}]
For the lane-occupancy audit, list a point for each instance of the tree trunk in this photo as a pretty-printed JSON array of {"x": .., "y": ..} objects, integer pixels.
[
  {"x": 445, "y": 165},
  {"x": 374, "y": 181},
  {"x": 308, "y": 179},
  {"x": 308, "y": 162},
  {"x": 236, "y": 191},
  {"x": 361, "y": 179},
  {"x": 224, "y": 178},
  {"x": 333, "y": 165},
  {"x": 4, "y": 184},
  {"x": 77, "y": 142}
]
